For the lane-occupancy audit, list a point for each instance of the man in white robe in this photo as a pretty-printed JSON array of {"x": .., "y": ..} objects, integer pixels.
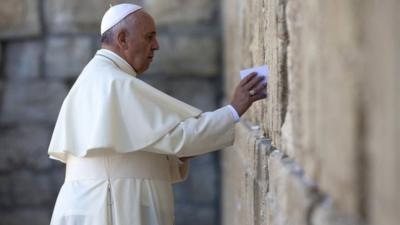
[{"x": 124, "y": 142}]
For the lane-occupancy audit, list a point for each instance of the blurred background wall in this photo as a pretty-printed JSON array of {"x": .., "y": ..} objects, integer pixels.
[
  {"x": 44, "y": 44},
  {"x": 323, "y": 148}
]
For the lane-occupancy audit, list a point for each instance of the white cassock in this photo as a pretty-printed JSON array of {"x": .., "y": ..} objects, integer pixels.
[{"x": 120, "y": 139}]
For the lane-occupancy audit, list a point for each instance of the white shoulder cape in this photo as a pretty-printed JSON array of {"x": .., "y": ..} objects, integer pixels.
[{"x": 108, "y": 107}]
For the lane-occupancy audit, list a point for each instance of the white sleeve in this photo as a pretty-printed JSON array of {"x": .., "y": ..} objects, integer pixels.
[
  {"x": 235, "y": 114},
  {"x": 208, "y": 132}
]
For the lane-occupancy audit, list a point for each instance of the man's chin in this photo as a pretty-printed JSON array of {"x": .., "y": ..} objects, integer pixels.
[{"x": 144, "y": 69}]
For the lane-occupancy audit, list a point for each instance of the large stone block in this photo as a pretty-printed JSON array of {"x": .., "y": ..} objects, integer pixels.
[
  {"x": 25, "y": 101},
  {"x": 322, "y": 124},
  {"x": 30, "y": 153},
  {"x": 178, "y": 12},
  {"x": 232, "y": 175},
  {"x": 255, "y": 35},
  {"x": 23, "y": 59},
  {"x": 19, "y": 18},
  {"x": 186, "y": 56},
  {"x": 243, "y": 175},
  {"x": 65, "y": 57}
]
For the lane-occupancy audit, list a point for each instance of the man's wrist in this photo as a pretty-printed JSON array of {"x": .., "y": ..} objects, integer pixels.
[{"x": 235, "y": 114}]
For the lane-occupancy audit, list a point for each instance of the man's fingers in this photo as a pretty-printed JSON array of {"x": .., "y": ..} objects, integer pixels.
[
  {"x": 258, "y": 96},
  {"x": 253, "y": 82},
  {"x": 260, "y": 87},
  {"x": 247, "y": 78}
]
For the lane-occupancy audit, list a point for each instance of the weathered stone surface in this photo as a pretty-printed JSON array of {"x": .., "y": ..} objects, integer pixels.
[
  {"x": 322, "y": 117},
  {"x": 326, "y": 214},
  {"x": 65, "y": 57},
  {"x": 35, "y": 216},
  {"x": 19, "y": 18},
  {"x": 31, "y": 189},
  {"x": 380, "y": 112},
  {"x": 192, "y": 56},
  {"x": 30, "y": 153},
  {"x": 300, "y": 128},
  {"x": 335, "y": 114},
  {"x": 176, "y": 12},
  {"x": 290, "y": 196},
  {"x": 240, "y": 178},
  {"x": 23, "y": 59},
  {"x": 25, "y": 101}
]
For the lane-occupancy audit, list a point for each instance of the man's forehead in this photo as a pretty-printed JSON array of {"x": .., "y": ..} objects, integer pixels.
[{"x": 144, "y": 19}]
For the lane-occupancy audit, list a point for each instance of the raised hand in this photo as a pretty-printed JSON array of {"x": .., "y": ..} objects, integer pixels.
[{"x": 250, "y": 89}]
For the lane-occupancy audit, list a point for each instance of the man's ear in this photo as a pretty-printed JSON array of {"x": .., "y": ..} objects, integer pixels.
[{"x": 122, "y": 39}]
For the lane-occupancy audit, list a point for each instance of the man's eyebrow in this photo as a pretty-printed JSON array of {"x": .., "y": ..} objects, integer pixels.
[{"x": 153, "y": 32}]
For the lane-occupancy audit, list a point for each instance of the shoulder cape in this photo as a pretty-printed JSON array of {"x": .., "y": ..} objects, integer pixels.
[{"x": 109, "y": 108}]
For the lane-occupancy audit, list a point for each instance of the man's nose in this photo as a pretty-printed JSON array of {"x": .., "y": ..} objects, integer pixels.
[{"x": 155, "y": 45}]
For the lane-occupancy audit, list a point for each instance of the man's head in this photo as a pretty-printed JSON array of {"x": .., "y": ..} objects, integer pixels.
[{"x": 134, "y": 39}]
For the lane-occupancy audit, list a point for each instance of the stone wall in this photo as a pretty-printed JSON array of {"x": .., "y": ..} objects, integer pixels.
[
  {"x": 44, "y": 45},
  {"x": 323, "y": 147}
]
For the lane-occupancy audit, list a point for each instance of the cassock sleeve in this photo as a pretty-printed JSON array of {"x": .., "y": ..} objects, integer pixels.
[{"x": 208, "y": 132}]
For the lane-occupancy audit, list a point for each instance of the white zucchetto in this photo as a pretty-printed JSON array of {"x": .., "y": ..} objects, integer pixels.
[{"x": 115, "y": 14}]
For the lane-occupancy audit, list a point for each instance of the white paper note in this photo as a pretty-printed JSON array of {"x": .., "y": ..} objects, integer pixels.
[{"x": 260, "y": 70}]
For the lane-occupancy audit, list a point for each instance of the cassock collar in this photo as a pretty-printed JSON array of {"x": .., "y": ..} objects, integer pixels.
[{"x": 117, "y": 60}]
